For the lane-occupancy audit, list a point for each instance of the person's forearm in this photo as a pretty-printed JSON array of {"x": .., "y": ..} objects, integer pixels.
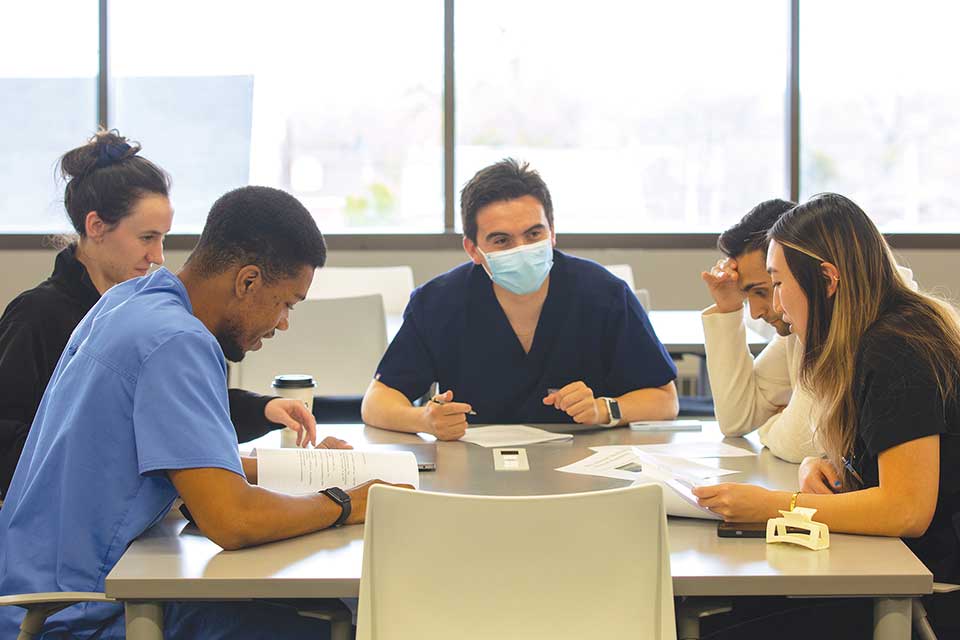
[
  {"x": 247, "y": 414},
  {"x": 657, "y": 403},
  {"x": 387, "y": 408},
  {"x": 873, "y": 511},
  {"x": 265, "y": 516}
]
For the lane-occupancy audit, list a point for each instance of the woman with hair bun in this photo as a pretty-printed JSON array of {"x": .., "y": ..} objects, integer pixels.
[{"x": 118, "y": 203}]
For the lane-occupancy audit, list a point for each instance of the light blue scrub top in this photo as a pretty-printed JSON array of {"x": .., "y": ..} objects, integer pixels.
[{"x": 141, "y": 388}]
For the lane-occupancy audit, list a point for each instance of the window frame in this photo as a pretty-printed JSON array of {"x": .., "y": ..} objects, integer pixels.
[{"x": 450, "y": 238}]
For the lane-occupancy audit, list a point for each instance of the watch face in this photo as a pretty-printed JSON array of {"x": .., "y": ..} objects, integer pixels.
[{"x": 614, "y": 410}]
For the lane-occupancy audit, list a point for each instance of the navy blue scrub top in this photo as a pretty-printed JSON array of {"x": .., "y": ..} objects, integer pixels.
[{"x": 592, "y": 328}]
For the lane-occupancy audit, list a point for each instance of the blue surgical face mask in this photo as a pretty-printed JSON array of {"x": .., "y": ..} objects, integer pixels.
[{"x": 522, "y": 269}]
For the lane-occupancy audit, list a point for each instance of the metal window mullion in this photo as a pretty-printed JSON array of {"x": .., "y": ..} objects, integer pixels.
[
  {"x": 449, "y": 186},
  {"x": 793, "y": 102},
  {"x": 102, "y": 68}
]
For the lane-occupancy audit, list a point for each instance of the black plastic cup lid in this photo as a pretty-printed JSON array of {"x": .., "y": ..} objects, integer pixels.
[{"x": 294, "y": 381}]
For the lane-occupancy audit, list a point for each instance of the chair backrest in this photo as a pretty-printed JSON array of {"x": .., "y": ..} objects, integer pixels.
[
  {"x": 586, "y": 565},
  {"x": 338, "y": 341},
  {"x": 643, "y": 295},
  {"x": 622, "y": 271},
  {"x": 393, "y": 283}
]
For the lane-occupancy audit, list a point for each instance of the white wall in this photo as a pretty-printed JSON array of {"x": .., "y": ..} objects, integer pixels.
[{"x": 672, "y": 276}]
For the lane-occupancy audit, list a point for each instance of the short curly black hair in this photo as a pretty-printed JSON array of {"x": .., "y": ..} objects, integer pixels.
[
  {"x": 505, "y": 180},
  {"x": 750, "y": 234},
  {"x": 262, "y": 226}
]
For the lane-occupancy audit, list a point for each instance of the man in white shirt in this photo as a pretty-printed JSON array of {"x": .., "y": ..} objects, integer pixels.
[
  {"x": 753, "y": 393},
  {"x": 764, "y": 392}
]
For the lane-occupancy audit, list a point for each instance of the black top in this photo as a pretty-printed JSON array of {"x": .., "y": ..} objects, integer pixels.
[
  {"x": 897, "y": 401},
  {"x": 34, "y": 330}
]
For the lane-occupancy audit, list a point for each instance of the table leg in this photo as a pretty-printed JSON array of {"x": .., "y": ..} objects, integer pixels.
[
  {"x": 144, "y": 620},
  {"x": 892, "y": 618}
]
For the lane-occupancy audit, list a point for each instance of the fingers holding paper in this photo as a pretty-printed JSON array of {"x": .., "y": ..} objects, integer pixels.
[
  {"x": 334, "y": 443},
  {"x": 577, "y": 401},
  {"x": 358, "y": 500},
  {"x": 736, "y": 502}
]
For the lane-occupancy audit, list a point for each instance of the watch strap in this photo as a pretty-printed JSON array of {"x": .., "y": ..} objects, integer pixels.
[
  {"x": 613, "y": 412},
  {"x": 342, "y": 498}
]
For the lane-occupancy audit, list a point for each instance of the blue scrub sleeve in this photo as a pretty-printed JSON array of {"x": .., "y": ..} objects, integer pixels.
[
  {"x": 638, "y": 360},
  {"x": 181, "y": 415},
  {"x": 407, "y": 366}
]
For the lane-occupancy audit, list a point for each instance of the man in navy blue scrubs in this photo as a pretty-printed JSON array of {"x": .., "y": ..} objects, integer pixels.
[{"x": 522, "y": 332}]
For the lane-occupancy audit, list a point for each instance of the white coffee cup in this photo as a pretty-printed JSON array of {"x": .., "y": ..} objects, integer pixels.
[{"x": 298, "y": 386}]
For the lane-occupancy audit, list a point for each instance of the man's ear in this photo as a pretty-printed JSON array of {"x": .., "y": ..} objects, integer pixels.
[
  {"x": 248, "y": 281},
  {"x": 471, "y": 248},
  {"x": 832, "y": 275}
]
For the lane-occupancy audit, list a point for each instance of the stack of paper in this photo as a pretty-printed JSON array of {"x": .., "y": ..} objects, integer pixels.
[
  {"x": 510, "y": 435},
  {"x": 676, "y": 474}
]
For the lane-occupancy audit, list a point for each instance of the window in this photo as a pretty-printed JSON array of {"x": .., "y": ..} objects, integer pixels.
[
  {"x": 338, "y": 103},
  {"x": 641, "y": 117},
  {"x": 48, "y": 105},
  {"x": 880, "y": 119}
]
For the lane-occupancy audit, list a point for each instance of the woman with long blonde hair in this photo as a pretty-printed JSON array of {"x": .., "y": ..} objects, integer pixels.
[{"x": 882, "y": 361}]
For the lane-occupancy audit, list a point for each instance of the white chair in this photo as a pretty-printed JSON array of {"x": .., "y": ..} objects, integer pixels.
[
  {"x": 41, "y": 606},
  {"x": 338, "y": 341},
  {"x": 584, "y": 565},
  {"x": 393, "y": 283},
  {"x": 622, "y": 271}
]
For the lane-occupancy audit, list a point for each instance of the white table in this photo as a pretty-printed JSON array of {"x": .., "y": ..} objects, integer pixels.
[{"x": 173, "y": 561}]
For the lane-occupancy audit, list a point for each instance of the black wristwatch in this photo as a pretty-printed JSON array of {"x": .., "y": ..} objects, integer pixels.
[
  {"x": 342, "y": 498},
  {"x": 613, "y": 409}
]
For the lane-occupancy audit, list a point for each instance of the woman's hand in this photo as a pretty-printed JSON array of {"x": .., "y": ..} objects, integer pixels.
[
  {"x": 736, "y": 502},
  {"x": 818, "y": 475}
]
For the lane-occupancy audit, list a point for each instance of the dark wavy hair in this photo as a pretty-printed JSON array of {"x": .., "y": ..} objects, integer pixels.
[
  {"x": 505, "y": 180},
  {"x": 108, "y": 176},
  {"x": 750, "y": 234}
]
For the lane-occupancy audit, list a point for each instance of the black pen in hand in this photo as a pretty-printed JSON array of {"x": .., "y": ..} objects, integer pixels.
[{"x": 438, "y": 400}]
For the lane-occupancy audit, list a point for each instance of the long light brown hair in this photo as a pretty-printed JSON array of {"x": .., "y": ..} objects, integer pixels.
[{"x": 832, "y": 228}]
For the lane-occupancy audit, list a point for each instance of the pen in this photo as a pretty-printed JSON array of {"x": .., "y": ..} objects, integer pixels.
[
  {"x": 437, "y": 401},
  {"x": 849, "y": 467}
]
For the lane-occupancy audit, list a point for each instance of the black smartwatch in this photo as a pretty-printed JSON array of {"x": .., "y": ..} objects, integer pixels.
[
  {"x": 342, "y": 498},
  {"x": 613, "y": 409}
]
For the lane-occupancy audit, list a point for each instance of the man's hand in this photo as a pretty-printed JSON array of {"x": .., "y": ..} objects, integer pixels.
[
  {"x": 818, "y": 475},
  {"x": 444, "y": 418},
  {"x": 577, "y": 401},
  {"x": 293, "y": 414},
  {"x": 723, "y": 282},
  {"x": 358, "y": 500},
  {"x": 334, "y": 443}
]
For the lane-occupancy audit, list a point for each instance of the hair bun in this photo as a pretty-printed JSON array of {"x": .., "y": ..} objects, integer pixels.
[{"x": 101, "y": 150}]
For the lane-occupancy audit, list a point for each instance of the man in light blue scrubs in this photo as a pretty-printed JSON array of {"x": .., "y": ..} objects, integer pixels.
[{"x": 136, "y": 414}]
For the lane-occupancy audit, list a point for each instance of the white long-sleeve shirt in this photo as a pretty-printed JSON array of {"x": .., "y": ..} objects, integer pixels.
[{"x": 749, "y": 393}]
